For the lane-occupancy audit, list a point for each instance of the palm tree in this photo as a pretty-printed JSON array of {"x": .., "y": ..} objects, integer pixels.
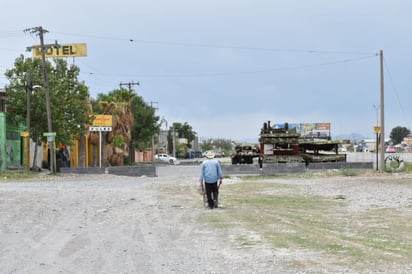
[{"x": 118, "y": 104}]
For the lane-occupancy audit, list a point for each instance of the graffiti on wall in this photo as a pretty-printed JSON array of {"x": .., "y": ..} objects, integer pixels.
[
  {"x": 1, "y": 156},
  {"x": 13, "y": 150}
]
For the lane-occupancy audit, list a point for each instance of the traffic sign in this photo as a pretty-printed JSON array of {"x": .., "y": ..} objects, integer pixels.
[{"x": 377, "y": 129}]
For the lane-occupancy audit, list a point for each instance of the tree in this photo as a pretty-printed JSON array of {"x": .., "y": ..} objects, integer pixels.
[
  {"x": 146, "y": 124},
  {"x": 224, "y": 145},
  {"x": 132, "y": 118},
  {"x": 181, "y": 131},
  {"x": 398, "y": 133},
  {"x": 118, "y": 103},
  {"x": 69, "y": 103}
]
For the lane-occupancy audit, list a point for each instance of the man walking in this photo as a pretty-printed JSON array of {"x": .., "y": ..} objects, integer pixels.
[{"x": 210, "y": 174}]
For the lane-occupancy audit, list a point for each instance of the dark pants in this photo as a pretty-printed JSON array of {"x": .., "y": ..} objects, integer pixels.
[{"x": 212, "y": 192}]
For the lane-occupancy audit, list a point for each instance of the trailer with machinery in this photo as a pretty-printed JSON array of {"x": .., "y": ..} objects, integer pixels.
[
  {"x": 245, "y": 154},
  {"x": 282, "y": 143}
]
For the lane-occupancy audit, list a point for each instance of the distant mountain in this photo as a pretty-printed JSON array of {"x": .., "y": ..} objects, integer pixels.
[
  {"x": 353, "y": 137},
  {"x": 247, "y": 140}
]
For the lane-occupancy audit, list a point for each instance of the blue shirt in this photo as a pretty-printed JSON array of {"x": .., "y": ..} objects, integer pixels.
[{"x": 210, "y": 171}]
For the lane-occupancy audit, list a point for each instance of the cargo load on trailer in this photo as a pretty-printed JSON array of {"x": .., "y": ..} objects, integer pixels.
[
  {"x": 245, "y": 153},
  {"x": 294, "y": 143}
]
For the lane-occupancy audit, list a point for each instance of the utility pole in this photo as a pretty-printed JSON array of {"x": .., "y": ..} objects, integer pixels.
[
  {"x": 151, "y": 105},
  {"x": 40, "y": 31},
  {"x": 382, "y": 134},
  {"x": 130, "y": 84},
  {"x": 174, "y": 142},
  {"x": 377, "y": 129},
  {"x": 131, "y": 144},
  {"x": 29, "y": 89}
]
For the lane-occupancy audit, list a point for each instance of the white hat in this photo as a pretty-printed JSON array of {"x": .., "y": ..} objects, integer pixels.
[{"x": 210, "y": 154}]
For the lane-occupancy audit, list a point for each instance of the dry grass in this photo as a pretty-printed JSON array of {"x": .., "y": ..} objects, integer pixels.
[{"x": 263, "y": 213}]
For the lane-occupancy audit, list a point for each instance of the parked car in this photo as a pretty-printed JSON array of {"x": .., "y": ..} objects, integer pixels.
[
  {"x": 362, "y": 148},
  {"x": 342, "y": 149},
  {"x": 390, "y": 149},
  {"x": 165, "y": 158},
  {"x": 193, "y": 154}
]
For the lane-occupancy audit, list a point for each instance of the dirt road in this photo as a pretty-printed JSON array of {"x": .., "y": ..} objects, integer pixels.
[
  {"x": 108, "y": 224},
  {"x": 115, "y": 224}
]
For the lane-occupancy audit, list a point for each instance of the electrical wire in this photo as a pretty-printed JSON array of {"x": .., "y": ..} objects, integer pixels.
[
  {"x": 223, "y": 74},
  {"x": 93, "y": 72},
  {"x": 10, "y": 33},
  {"x": 392, "y": 82},
  {"x": 187, "y": 44}
]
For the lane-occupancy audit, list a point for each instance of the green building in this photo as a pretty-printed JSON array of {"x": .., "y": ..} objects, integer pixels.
[
  {"x": 2, "y": 141},
  {"x": 11, "y": 154}
]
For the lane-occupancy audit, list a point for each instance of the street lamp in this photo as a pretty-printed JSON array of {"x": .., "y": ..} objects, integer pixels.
[{"x": 29, "y": 90}]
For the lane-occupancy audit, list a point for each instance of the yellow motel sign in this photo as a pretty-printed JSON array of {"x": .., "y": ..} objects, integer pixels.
[
  {"x": 61, "y": 50},
  {"x": 102, "y": 121}
]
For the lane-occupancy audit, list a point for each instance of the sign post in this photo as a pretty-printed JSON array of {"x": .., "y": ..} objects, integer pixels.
[
  {"x": 26, "y": 148},
  {"x": 377, "y": 131},
  {"x": 100, "y": 129},
  {"x": 101, "y": 123}
]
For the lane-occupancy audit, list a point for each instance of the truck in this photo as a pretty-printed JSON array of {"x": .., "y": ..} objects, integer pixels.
[
  {"x": 284, "y": 144},
  {"x": 245, "y": 153}
]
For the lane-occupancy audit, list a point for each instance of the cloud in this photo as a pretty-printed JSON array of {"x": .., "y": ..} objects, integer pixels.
[{"x": 227, "y": 66}]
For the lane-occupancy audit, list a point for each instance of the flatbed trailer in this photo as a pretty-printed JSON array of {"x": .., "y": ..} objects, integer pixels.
[
  {"x": 322, "y": 150},
  {"x": 244, "y": 154},
  {"x": 285, "y": 145}
]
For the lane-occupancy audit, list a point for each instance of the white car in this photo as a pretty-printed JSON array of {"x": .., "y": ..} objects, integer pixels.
[{"x": 166, "y": 158}]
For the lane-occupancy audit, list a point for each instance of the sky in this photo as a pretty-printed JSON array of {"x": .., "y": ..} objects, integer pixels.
[{"x": 226, "y": 67}]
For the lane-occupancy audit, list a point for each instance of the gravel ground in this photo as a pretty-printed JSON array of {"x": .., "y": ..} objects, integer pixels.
[
  {"x": 369, "y": 191},
  {"x": 116, "y": 224}
]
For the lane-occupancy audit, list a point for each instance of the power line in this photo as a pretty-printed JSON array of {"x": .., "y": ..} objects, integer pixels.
[
  {"x": 231, "y": 73},
  {"x": 10, "y": 33},
  {"x": 197, "y": 45},
  {"x": 4, "y": 34},
  {"x": 396, "y": 92}
]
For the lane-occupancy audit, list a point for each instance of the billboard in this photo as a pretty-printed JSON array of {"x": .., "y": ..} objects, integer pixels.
[
  {"x": 61, "y": 50},
  {"x": 102, "y": 121},
  {"x": 313, "y": 130}
]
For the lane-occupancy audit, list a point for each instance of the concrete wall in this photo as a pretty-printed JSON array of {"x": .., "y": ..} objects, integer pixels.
[
  {"x": 290, "y": 168},
  {"x": 193, "y": 170},
  {"x": 340, "y": 165},
  {"x": 136, "y": 171}
]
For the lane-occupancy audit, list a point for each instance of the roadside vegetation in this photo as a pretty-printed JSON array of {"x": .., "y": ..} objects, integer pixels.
[
  {"x": 408, "y": 167},
  {"x": 17, "y": 175}
]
